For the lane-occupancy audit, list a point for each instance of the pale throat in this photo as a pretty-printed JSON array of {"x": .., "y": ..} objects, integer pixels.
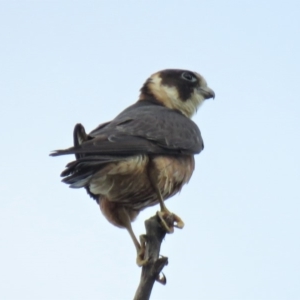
[{"x": 169, "y": 97}]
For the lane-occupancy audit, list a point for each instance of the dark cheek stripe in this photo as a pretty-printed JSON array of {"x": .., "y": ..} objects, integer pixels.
[
  {"x": 185, "y": 92},
  {"x": 184, "y": 88}
]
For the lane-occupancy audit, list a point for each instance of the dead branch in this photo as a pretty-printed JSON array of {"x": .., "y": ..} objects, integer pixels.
[{"x": 152, "y": 269}]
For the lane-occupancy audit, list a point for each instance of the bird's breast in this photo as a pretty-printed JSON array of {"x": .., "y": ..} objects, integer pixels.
[
  {"x": 131, "y": 180},
  {"x": 170, "y": 173}
]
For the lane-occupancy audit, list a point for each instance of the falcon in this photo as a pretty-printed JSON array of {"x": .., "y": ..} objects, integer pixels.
[{"x": 143, "y": 156}]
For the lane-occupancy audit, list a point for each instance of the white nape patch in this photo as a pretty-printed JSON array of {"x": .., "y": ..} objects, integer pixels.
[{"x": 170, "y": 98}]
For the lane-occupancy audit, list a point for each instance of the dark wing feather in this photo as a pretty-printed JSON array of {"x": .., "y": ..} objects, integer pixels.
[
  {"x": 143, "y": 128},
  {"x": 150, "y": 129}
]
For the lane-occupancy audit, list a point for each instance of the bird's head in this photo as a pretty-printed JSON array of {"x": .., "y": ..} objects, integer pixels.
[{"x": 177, "y": 89}]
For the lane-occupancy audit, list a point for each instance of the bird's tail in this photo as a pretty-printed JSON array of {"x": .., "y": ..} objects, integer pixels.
[{"x": 79, "y": 136}]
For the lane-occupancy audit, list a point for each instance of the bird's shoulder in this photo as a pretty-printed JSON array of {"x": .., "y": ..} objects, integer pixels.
[{"x": 150, "y": 120}]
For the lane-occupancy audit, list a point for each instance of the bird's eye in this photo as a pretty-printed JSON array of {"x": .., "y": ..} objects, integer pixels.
[{"x": 188, "y": 76}]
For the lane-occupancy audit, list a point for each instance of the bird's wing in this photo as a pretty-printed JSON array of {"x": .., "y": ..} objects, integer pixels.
[{"x": 149, "y": 129}]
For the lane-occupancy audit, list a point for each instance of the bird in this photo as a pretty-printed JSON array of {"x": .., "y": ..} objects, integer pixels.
[{"x": 145, "y": 155}]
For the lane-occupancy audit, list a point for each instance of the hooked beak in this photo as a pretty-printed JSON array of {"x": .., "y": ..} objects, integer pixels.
[{"x": 206, "y": 92}]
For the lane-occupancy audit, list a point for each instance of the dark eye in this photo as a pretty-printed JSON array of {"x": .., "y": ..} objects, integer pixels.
[{"x": 188, "y": 76}]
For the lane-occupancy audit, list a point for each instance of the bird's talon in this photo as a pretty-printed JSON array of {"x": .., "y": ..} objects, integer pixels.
[
  {"x": 169, "y": 221},
  {"x": 161, "y": 278},
  {"x": 140, "y": 259},
  {"x": 178, "y": 223},
  {"x": 165, "y": 222}
]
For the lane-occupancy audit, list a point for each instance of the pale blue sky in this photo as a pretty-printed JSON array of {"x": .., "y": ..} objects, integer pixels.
[{"x": 64, "y": 62}]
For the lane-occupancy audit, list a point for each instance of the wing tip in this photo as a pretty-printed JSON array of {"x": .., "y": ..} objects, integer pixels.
[
  {"x": 63, "y": 152},
  {"x": 54, "y": 153}
]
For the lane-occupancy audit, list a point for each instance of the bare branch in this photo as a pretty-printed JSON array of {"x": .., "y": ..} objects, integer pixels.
[{"x": 152, "y": 269}]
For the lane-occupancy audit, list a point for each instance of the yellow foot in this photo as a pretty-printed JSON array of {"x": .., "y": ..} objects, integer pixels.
[
  {"x": 140, "y": 259},
  {"x": 170, "y": 220}
]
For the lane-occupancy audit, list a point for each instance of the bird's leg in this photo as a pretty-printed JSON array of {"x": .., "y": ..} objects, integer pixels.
[
  {"x": 140, "y": 247},
  {"x": 169, "y": 220}
]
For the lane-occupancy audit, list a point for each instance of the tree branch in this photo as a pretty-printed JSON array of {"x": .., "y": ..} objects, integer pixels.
[{"x": 152, "y": 269}]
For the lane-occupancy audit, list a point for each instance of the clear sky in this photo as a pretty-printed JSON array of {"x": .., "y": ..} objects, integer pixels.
[{"x": 64, "y": 62}]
